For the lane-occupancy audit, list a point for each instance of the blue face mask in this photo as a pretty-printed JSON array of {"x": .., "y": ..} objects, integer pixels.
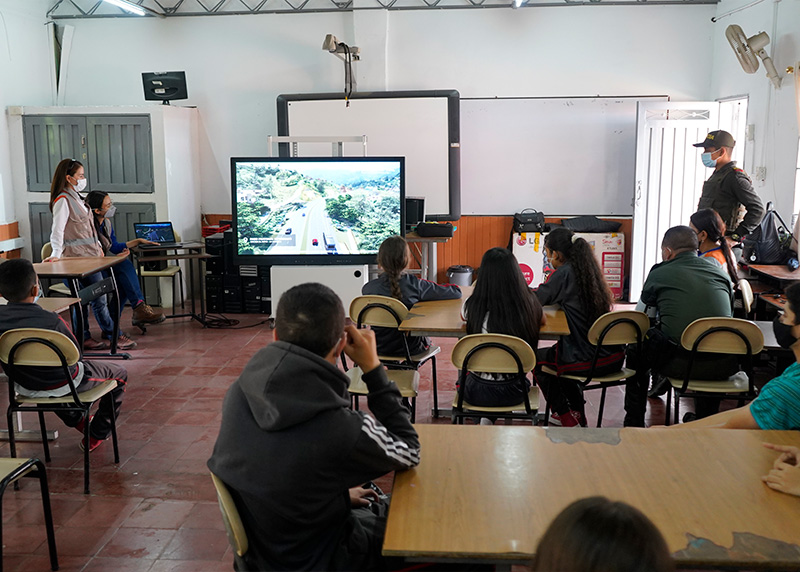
[
  {"x": 708, "y": 161},
  {"x": 38, "y": 295}
]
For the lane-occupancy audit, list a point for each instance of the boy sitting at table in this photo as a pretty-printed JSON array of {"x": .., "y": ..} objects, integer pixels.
[{"x": 20, "y": 286}]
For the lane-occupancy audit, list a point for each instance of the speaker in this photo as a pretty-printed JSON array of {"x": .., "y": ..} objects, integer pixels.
[{"x": 415, "y": 212}]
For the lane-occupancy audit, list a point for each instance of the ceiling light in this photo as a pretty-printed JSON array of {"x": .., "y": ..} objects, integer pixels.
[
  {"x": 128, "y": 6},
  {"x": 518, "y": 3}
]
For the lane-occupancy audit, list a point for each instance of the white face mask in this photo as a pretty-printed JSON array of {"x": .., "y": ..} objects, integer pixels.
[{"x": 81, "y": 185}]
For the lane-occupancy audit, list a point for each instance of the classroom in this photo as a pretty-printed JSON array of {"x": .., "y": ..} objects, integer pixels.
[{"x": 553, "y": 103}]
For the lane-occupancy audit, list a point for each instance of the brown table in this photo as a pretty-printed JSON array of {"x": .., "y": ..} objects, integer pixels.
[
  {"x": 74, "y": 269},
  {"x": 775, "y": 273},
  {"x": 426, "y": 247},
  {"x": 487, "y": 494}
]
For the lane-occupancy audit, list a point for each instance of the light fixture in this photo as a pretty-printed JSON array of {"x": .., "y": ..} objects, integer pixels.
[
  {"x": 134, "y": 8},
  {"x": 518, "y": 3}
]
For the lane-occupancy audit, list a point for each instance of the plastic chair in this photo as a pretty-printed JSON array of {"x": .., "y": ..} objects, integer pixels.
[
  {"x": 237, "y": 536},
  {"x": 386, "y": 312},
  {"x": 34, "y": 347},
  {"x": 172, "y": 271},
  {"x": 744, "y": 298},
  {"x": 58, "y": 289},
  {"x": 611, "y": 329},
  {"x": 11, "y": 470},
  {"x": 495, "y": 353},
  {"x": 730, "y": 336}
]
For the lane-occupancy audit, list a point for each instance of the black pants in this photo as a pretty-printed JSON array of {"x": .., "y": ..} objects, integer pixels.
[{"x": 95, "y": 374}]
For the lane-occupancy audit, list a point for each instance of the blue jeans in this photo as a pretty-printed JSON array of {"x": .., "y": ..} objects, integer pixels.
[
  {"x": 99, "y": 307},
  {"x": 127, "y": 284}
]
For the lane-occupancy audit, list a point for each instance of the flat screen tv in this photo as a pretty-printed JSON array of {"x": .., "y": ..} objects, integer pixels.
[{"x": 315, "y": 210}]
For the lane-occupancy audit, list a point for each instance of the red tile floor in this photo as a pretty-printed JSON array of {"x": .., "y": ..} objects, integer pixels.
[{"x": 156, "y": 511}]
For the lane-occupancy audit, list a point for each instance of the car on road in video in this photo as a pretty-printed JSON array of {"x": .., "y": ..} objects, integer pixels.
[
  {"x": 315, "y": 242},
  {"x": 288, "y": 231}
]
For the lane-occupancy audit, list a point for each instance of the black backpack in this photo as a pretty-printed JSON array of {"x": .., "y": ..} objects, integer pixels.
[{"x": 770, "y": 242}]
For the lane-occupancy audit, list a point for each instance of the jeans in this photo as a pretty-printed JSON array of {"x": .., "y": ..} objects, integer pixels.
[
  {"x": 99, "y": 307},
  {"x": 127, "y": 284}
]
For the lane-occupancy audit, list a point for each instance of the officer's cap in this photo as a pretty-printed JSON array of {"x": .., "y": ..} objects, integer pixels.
[{"x": 717, "y": 139}]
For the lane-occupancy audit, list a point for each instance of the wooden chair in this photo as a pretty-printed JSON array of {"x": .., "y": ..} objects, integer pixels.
[
  {"x": 34, "y": 347},
  {"x": 386, "y": 312},
  {"x": 59, "y": 288},
  {"x": 495, "y": 353},
  {"x": 11, "y": 471},
  {"x": 237, "y": 536},
  {"x": 612, "y": 329},
  {"x": 730, "y": 336}
]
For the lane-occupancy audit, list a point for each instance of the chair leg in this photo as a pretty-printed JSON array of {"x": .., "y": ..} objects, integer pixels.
[
  {"x": 86, "y": 452},
  {"x": 602, "y": 405},
  {"x": 546, "y": 414},
  {"x": 114, "y": 441},
  {"x": 677, "y": 407},
  {"x": 12, "y": 441},
  {"x": 48, "y": 515},
  {"x": 413, "y": 409},
  {"x": 180, "y": 286},
  {"x": 45, "y": 444},
  {"x": 435, "y": 388}
]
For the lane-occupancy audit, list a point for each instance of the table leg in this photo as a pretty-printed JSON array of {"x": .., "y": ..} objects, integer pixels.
[{"x": 432, "y": 261}]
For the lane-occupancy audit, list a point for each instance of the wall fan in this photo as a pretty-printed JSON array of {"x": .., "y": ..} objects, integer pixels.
[{"x": 746, "y": 50}]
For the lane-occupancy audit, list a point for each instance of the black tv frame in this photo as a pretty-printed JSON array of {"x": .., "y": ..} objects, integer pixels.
[
  {"x": 174, "y": 80},
  {"x": 308, "y": 259}
]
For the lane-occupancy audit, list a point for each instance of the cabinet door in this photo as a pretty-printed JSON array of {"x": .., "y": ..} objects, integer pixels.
[
  {"x": 120, "y": 153},
  {"x": 48, "y": 140}
]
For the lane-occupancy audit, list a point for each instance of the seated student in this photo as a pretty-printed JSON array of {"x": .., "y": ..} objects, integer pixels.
[
  {"x": 598, "y": 535},
  {"x": 578, "y": 286},
  {"x": 778, "y": 404},
  {"x": 501, "y": 303},
  {"x": 394, "y": 259},
  {"x": 124, "y": 272},
  {"x": 290, "y": 447},
  {"x": 711, "y": 238},
  {"x": 681, "y": 289},
  {"x": 20, "y": 286},
  {"x": 785, "y": 473}
]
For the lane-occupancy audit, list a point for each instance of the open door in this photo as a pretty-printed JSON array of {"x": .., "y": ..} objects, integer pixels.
[{"x": 669, "y": 175}]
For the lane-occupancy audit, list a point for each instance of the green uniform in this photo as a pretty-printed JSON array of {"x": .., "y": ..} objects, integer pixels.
[{"x": 729, "y": 191}]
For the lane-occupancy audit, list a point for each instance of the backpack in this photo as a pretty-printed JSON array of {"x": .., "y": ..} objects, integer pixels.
[{"x": 770, "y": 242}]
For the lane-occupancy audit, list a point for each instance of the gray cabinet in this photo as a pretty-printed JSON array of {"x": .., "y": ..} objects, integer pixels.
[{"x": 116, "y": 150}]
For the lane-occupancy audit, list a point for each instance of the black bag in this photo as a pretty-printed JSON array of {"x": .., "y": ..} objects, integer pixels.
[
  {"x": 590, "y": 224},
  {"x": 770, "y": 242},
  {"x": 529, "y": 220},
  {"x": 435, "y": 229}
]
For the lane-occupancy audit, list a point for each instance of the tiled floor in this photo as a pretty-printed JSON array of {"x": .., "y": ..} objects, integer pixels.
[{"x": 156, "y": 511}]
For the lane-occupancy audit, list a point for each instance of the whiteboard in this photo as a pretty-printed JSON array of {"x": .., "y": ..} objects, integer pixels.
[
  {"x": 419, "y": 128},
  {"x": 565, "y": 156}
]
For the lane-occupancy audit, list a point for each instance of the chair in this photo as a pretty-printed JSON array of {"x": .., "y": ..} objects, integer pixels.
[
  {"x": 744, "y": 298},
  {"x": 730, "y": 336},
  {"x": 237, "y": 536},
  {"x": 172, "y": 271},
  {"x": 611, "y": 329},
  {"x": 57, "y": 289},
  {"x": 495, "y": 353},
  {"x": 11, "y": 470},
  {"x": 45, "y": 348},
  {"x": 386, "y": 312}
]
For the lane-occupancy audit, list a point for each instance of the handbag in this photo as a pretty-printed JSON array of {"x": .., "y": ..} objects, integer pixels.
[
  {"x": 770, "y": 242},
  {"x": 529, "y": 220}
]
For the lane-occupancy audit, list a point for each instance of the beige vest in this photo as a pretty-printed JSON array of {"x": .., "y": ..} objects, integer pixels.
[{"x": 80, "y": 236}]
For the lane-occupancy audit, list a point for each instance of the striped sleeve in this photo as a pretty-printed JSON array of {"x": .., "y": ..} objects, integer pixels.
[{"x": 398, "y": 451}]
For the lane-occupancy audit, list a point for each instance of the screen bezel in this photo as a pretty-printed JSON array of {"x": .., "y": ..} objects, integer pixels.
[{"x": 308, "y": 259}]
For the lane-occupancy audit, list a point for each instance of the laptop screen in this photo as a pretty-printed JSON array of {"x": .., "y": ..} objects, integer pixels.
[{"x": 155, "y": 231}]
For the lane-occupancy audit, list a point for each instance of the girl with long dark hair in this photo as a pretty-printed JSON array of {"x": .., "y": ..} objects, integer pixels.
[
  {"x": 711, "y": 235},
  {"x": 501, "y": 303},
  {"x": 578, "y": 286}
]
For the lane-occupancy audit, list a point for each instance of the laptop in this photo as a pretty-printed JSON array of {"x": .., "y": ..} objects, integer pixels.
[{"x": 160, "y": 232}]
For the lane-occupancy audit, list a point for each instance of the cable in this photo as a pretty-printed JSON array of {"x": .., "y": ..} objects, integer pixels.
[
  {"x": 726, "y": 14},
  {"x": 221, "y": 322}
]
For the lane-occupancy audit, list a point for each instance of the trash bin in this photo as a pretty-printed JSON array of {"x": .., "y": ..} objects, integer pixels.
[{"x": 460, "y": 275}]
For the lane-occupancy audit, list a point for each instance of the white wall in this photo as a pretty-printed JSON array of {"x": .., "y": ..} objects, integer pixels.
[
  {"x": 25, "y": 73},
  {"x": 237, "y": 65},
  {"x": 772, "y": 112}
]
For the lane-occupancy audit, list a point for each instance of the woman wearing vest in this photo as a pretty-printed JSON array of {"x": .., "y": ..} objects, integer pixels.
[
  {"x": 73, "y": 235},
  {"x": 127, "y": 280}
]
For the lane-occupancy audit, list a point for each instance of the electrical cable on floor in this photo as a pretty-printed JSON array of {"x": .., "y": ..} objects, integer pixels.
[{"x": 221, "y": 322}]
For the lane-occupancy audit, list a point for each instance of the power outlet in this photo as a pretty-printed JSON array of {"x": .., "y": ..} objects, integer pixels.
[{"x": 760, "y": 174}]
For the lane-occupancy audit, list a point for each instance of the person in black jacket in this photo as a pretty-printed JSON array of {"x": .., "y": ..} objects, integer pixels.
[
  {"x": 20, "y": 286},
  {"x": 295, "y": 455}
]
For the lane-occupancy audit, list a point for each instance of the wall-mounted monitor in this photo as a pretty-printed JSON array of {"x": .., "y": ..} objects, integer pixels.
[
  {"x": 315, "y": 210},
  {"x": 164, "y": 86}
]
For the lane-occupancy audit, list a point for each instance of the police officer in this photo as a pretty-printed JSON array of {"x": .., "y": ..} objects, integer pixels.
[{"x": 729, "y": 190}]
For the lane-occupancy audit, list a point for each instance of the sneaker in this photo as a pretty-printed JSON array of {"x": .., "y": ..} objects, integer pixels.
[
  {"x": 568, "y": 419},
  {"x": 125, "y": 343},
  {"x": 81, "y": 425},
  {"x": 689, "y": 416},
  {"x": 144, "y": 314},
  {"x": 94, "y": 443},
  {"x": 93, "y": 344},
  {"x": 659, "y": 387}
]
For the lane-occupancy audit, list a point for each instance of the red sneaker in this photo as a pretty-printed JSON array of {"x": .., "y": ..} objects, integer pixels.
[
  {"x": 80, "y": 426},
  {"x": 568, "y": 419},
  {"x": 93, "y": 443}
]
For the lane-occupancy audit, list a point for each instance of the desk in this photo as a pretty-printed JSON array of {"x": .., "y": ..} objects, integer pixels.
[
  {"x": 426, "y": 246},
  {"x": 74, "y": 269},
  {"x": 190, "y": 251},
  {"x": 777, "y": 274},
  {"x": 487, "y": 494}
]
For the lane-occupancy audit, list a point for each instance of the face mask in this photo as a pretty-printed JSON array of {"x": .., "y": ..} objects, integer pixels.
[
  {"x": 783, "y": 333},
  {"x": 708, "y": 161},
  {"x": 81, "y": 185},
  {"x": 112, "y": 210},
  {"x": 38, "y": 295}
]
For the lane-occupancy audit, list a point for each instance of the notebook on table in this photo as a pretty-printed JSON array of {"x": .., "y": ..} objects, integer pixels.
[{"x": 160, "y": 232}]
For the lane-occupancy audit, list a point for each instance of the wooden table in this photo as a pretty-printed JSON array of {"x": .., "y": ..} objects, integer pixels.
[
  {"x": 775, "y": 273},
  {"x": 74, "y": 269},
  {"x": 487, "y": 494},
  {"x": 426, "y": 246}
]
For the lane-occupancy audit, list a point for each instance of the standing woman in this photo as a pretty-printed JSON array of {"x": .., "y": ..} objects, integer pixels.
[
  {"x": 711, "y": 235},
  {"x": 124, "y": 272},
  {"x": 578, "y": 286},
  {"x": 73, "y": 235}
]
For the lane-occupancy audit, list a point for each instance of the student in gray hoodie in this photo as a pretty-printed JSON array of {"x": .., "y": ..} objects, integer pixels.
[{"x": 295, "y": 455}]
